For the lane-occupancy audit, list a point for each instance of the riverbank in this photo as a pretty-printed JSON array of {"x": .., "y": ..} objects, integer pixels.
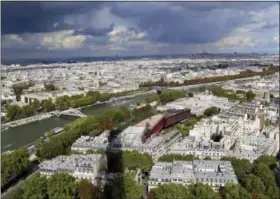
[
  {"x": 42, "y": 116},
  {"x": 27, "y": 120},
  {"x": 25, "y": 134},
  {"x": 29, "y": 132}
]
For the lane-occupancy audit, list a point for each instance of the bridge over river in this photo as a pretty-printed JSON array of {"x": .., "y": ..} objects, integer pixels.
[{"x": 69, "y": 112}]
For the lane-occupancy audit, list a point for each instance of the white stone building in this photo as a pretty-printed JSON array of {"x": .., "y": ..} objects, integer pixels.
[{"x": 213, "y": 173}]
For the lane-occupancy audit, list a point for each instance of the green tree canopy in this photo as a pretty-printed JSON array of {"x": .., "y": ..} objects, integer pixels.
[
  {"x": 234, "y": 191},
  {"x": 172, "y": 157},
  {"x": 16, "y": 193},
  {"x": 268, "y": 160},
  {"x": 250, "y": 96},
  {"x": 265, "y": 174},
  {"x": 13, "y": 164},
  {"x": 48, "y": 105},
  {"x": 35, "y": 187},
  {"x": 211, "y": 111},
  {"x": 36, "y": 104},
  {"x": 50, "y": 87},
  {"x": 13, "y": 112},
  {"x": 167, "y": 191},
  {"x": 253, "y": 184},
  {"x": 27, "y": 111},
  {"x": 241, "y": 166},
  {"x": 62, "y": 185},
  {"x": 202, "y": 191},
  {"x": 62, "y": 103},
  {"x": 124, "y": 187}
]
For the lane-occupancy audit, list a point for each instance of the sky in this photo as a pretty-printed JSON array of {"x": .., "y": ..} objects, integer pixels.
[{"x": 77, "y": 29}]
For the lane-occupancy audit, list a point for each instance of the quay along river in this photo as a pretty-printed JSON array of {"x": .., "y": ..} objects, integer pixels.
[{"x": 25, "y": 134}]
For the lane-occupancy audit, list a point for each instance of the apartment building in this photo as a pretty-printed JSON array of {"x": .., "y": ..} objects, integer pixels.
[
  {"x": 211, "y": 172},
  {"x": 79, "y": 166}
]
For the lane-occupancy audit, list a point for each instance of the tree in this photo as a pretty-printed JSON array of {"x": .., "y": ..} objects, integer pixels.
[
  {"x": 234, "y": 191},
  {"x": 27, "y": 111},
  {"x": 50, "y": 87},
  {"x": 240, "y": 92},
  {"x": 211, "y": 111},
  {"x": 13, "y": 112},
  {"x": 36, "y": 104},
  {"x": 268, "y": 160},
  {"x": 61, "y": 185},
  {"x": 35, "y": 187},
  {"x": 253, "y": 184},
  {"x": 18, "y": 89},
  {"x": 13, "y": 164},
  {"x": 85, "y": 189},
  {"x": 273, "y": 192},
  {"x": 124, "y": 187},
  {"x": 202, "y": 191},
  {"x": 172, "y": 157},
  {"x": 265, "y": 174},
  {"x": 133, "y": 160},
  {"x": 168, "y": 191},
  {"x": 250, "y": 96},
  {"x": 16, "y": 193},
  {"x": 62, "y": 103},
  {"x": 169, "y": 96},
  {"x": 17, "y": 92},
  {"x": 241, "y": 166},
  {"x": 48, "y": 105}
]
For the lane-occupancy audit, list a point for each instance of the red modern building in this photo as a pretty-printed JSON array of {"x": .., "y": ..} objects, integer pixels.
[
  {"x": 174, "y": 116},
  {"x": 154, "y": 124}
]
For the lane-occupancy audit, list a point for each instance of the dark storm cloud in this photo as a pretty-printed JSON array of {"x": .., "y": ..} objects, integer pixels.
[
  {"x": 209, "y": 6},
  {"x": 162, "y": 22},
  {"x": 39, "y": 17},
  {"x": 192, "y": 23},
  {"x": 94, "y": 32}
]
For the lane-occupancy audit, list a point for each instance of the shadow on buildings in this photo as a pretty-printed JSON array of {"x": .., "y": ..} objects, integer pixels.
[{"x": 115, "y": 166}]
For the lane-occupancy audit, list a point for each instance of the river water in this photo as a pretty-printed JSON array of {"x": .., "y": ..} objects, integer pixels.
[{"x": 27, "y": 133}]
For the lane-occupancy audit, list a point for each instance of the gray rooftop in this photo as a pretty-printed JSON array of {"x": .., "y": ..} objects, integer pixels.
[{"x": 193, "y": 171}]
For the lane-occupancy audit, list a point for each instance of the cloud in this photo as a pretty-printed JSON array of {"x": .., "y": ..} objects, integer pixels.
[
  {"x": 138, "y": 27},
  {"x": 62, "y": 40},
  {"x": 123, "y": 35},
  {"x": 12, "y": 40},
  {"x": 188, "y": 22},
  {"x": 40, "y": 17},
  {"x": 276, "y": 39},
  {"x": 270, "y": 25},
  {"x": 94, "y": 31},
  {"x": 235, "y": 41}
]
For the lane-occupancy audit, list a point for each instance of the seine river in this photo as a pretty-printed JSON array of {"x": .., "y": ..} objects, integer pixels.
[{"x": 28, "y": 133}]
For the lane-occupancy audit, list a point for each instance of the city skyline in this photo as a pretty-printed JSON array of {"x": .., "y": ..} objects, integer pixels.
[{"x": 34, "y": 30}]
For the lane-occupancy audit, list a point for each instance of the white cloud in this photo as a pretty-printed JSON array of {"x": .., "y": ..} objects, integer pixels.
[
  {"x": 62, "y": 40},
  {"x": 276, "y": 39},
  {"x": 15, "y": 38},
  {"x": 12, "y": 40},
  {"x": 122, "y": 35},
  {"x": 236, "y": 41}
]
